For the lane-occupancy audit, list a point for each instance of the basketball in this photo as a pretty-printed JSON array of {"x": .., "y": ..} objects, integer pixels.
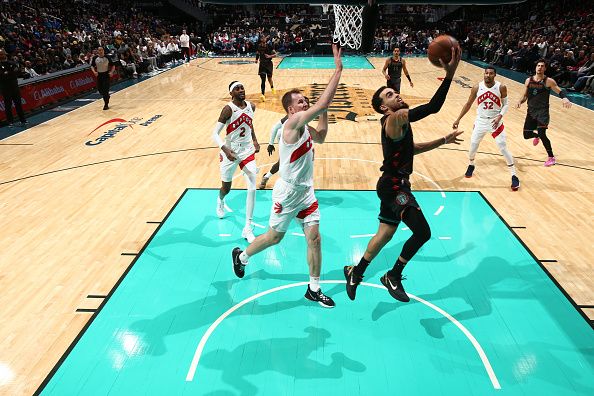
[{"x": 441, "y": 48}]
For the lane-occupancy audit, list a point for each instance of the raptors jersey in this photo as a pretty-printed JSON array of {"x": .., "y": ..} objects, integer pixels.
[
  {"x": 239, "y": 127},
  {"x": 296, "y": 160},
  {"x": 488, "y": 100}
]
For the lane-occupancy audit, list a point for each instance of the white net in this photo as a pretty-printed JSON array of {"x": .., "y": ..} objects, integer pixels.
[{"x": 348, "y": 21}]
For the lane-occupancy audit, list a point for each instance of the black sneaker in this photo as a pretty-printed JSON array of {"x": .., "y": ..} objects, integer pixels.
[
  {"x": 320, "y": 298},
  {"x": 238, "y": 267},
  {"x": 515, "y": 183},
  {"x": 469, "y": 171},
  {"x": 352, "y": 281},
  {"x": 395, "y": 287},
  {"x": 106, "y": 107}
]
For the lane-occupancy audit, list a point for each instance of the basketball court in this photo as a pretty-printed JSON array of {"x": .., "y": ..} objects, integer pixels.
[
  {"x": 479, "y": 323},
  {"x": 116, "y": 274}
]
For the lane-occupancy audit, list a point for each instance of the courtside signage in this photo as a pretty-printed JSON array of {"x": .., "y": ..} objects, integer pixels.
[{"x": 120, "y": 125}]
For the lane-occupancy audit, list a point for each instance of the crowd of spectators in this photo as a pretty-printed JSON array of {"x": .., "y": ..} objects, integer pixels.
[
  {"x": 45, "y": 36},
  {"x": 562, "y": 33}
]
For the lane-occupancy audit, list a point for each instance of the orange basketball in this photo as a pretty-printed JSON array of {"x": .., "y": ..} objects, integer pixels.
[{"x": 441, "y": 48}]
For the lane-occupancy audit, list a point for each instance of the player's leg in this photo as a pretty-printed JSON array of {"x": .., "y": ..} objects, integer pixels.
[
  {"x": 546, "y": 142},
  {"x": 309, "y": 218},
  {"x": 413, "y": 217},
  {"x": 249, "y": 171},
  {"x": 227, "y": 169},
  {"x": 500, "y": 140},
  {"x": 269, "y": 76},
  {"x": 479, "y": 131},
  {"x": 262, "y": 85},
  {"x": 530, "y": 126},
  {"x": 387, "y": 228},
  {"x": 281, "y": 215}
]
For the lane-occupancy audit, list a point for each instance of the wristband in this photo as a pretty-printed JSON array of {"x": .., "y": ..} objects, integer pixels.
[{"x": 562, "y": 94}]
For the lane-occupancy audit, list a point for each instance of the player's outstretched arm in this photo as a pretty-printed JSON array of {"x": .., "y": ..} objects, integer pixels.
[
  {"x": 450, "y": 138},
  {"x": 434, "y": 105},
  {"x": 552, "y": 84},
  {"x": 302, "y": 118}
]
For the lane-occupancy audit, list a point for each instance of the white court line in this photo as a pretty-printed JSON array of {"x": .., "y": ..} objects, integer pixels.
[
  {"x": 258, "y": 225},
  {"x": 85, "y": 100},
  {"x": 297, "y": 234},
  {"x": 445, "y": 238},
  {"x": 438, "y": 211},
  {"x": 224, "y": 235},
  {"x": 216, "y": 323},
  {"x": 405, "y": 228},
  {"x": 362, "y": 236}
]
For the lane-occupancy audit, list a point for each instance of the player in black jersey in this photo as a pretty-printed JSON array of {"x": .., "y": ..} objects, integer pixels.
[
  {"x": 393, "y": 69},
  {"x": 393, "y": 188},
  {"x": 265, "y": 53},
  {"x": 537, "y": 93}
]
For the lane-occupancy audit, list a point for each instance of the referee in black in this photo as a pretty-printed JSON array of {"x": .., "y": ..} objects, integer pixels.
[
  {"x": 103, "y": 68},
  {"x": 9, "y": 86}
]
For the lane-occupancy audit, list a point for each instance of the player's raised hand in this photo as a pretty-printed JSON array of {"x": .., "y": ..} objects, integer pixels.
[
  {"x": 452, "y": 65},
  {"x": 337, "y": 52}
]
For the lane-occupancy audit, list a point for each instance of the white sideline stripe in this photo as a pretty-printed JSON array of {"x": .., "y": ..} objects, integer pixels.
[
  {"x": 297, "y": 234},
  {"x": 258, "y": 225},
  {"x": 438, "y": 210},
  {"x": 86, "y": 100},
  {"x": 362, "y": 236},
  {"x": 224, "y": 235},
  {"x": 213, "y": 326},
  {"x": 445, "y": 238}
]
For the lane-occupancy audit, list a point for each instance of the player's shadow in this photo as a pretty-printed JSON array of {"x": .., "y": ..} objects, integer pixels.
[
  {"x": 290, "y": 356},
  {"x": 529, "y": 368},
  {"x": 196, "y": 235},
  {"x": 200, "y": 313},
  {"x": 375, "y": 269}
]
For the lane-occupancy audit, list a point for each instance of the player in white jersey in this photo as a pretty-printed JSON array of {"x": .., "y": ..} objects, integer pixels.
[
  {"x": 238, "y": 149},
  {"x": 293, "y": 194},
  {"x": 491, "y": 98},
  {"x": 274, "y": 134}
]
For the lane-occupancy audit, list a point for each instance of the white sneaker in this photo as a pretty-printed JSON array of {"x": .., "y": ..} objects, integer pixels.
[
  {"x": 221, "y": 208},
  {"x": 248, "y": 234}
]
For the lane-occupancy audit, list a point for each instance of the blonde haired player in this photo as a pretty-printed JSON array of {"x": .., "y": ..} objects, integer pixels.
[
  {"x": 293, "y": 194},
  {"x": 491, "y": 98},
  {"x": 238, "y": 149}
]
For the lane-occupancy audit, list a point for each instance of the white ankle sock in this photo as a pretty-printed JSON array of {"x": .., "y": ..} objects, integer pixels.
[
  {"x": 314, "y": 283},
  {"x": 243, "y": 257}
]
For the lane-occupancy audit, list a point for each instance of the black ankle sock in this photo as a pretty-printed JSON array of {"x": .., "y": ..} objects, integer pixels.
[
  {"x": 396, "y": 271},
  {"x": 361, "y": 267}
]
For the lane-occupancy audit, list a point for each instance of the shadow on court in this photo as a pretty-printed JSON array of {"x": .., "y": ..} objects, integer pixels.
[{"x": 302, "y": 366}]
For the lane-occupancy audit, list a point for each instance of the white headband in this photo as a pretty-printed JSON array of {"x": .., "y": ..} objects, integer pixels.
[{"x": 232, "y": 87}]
